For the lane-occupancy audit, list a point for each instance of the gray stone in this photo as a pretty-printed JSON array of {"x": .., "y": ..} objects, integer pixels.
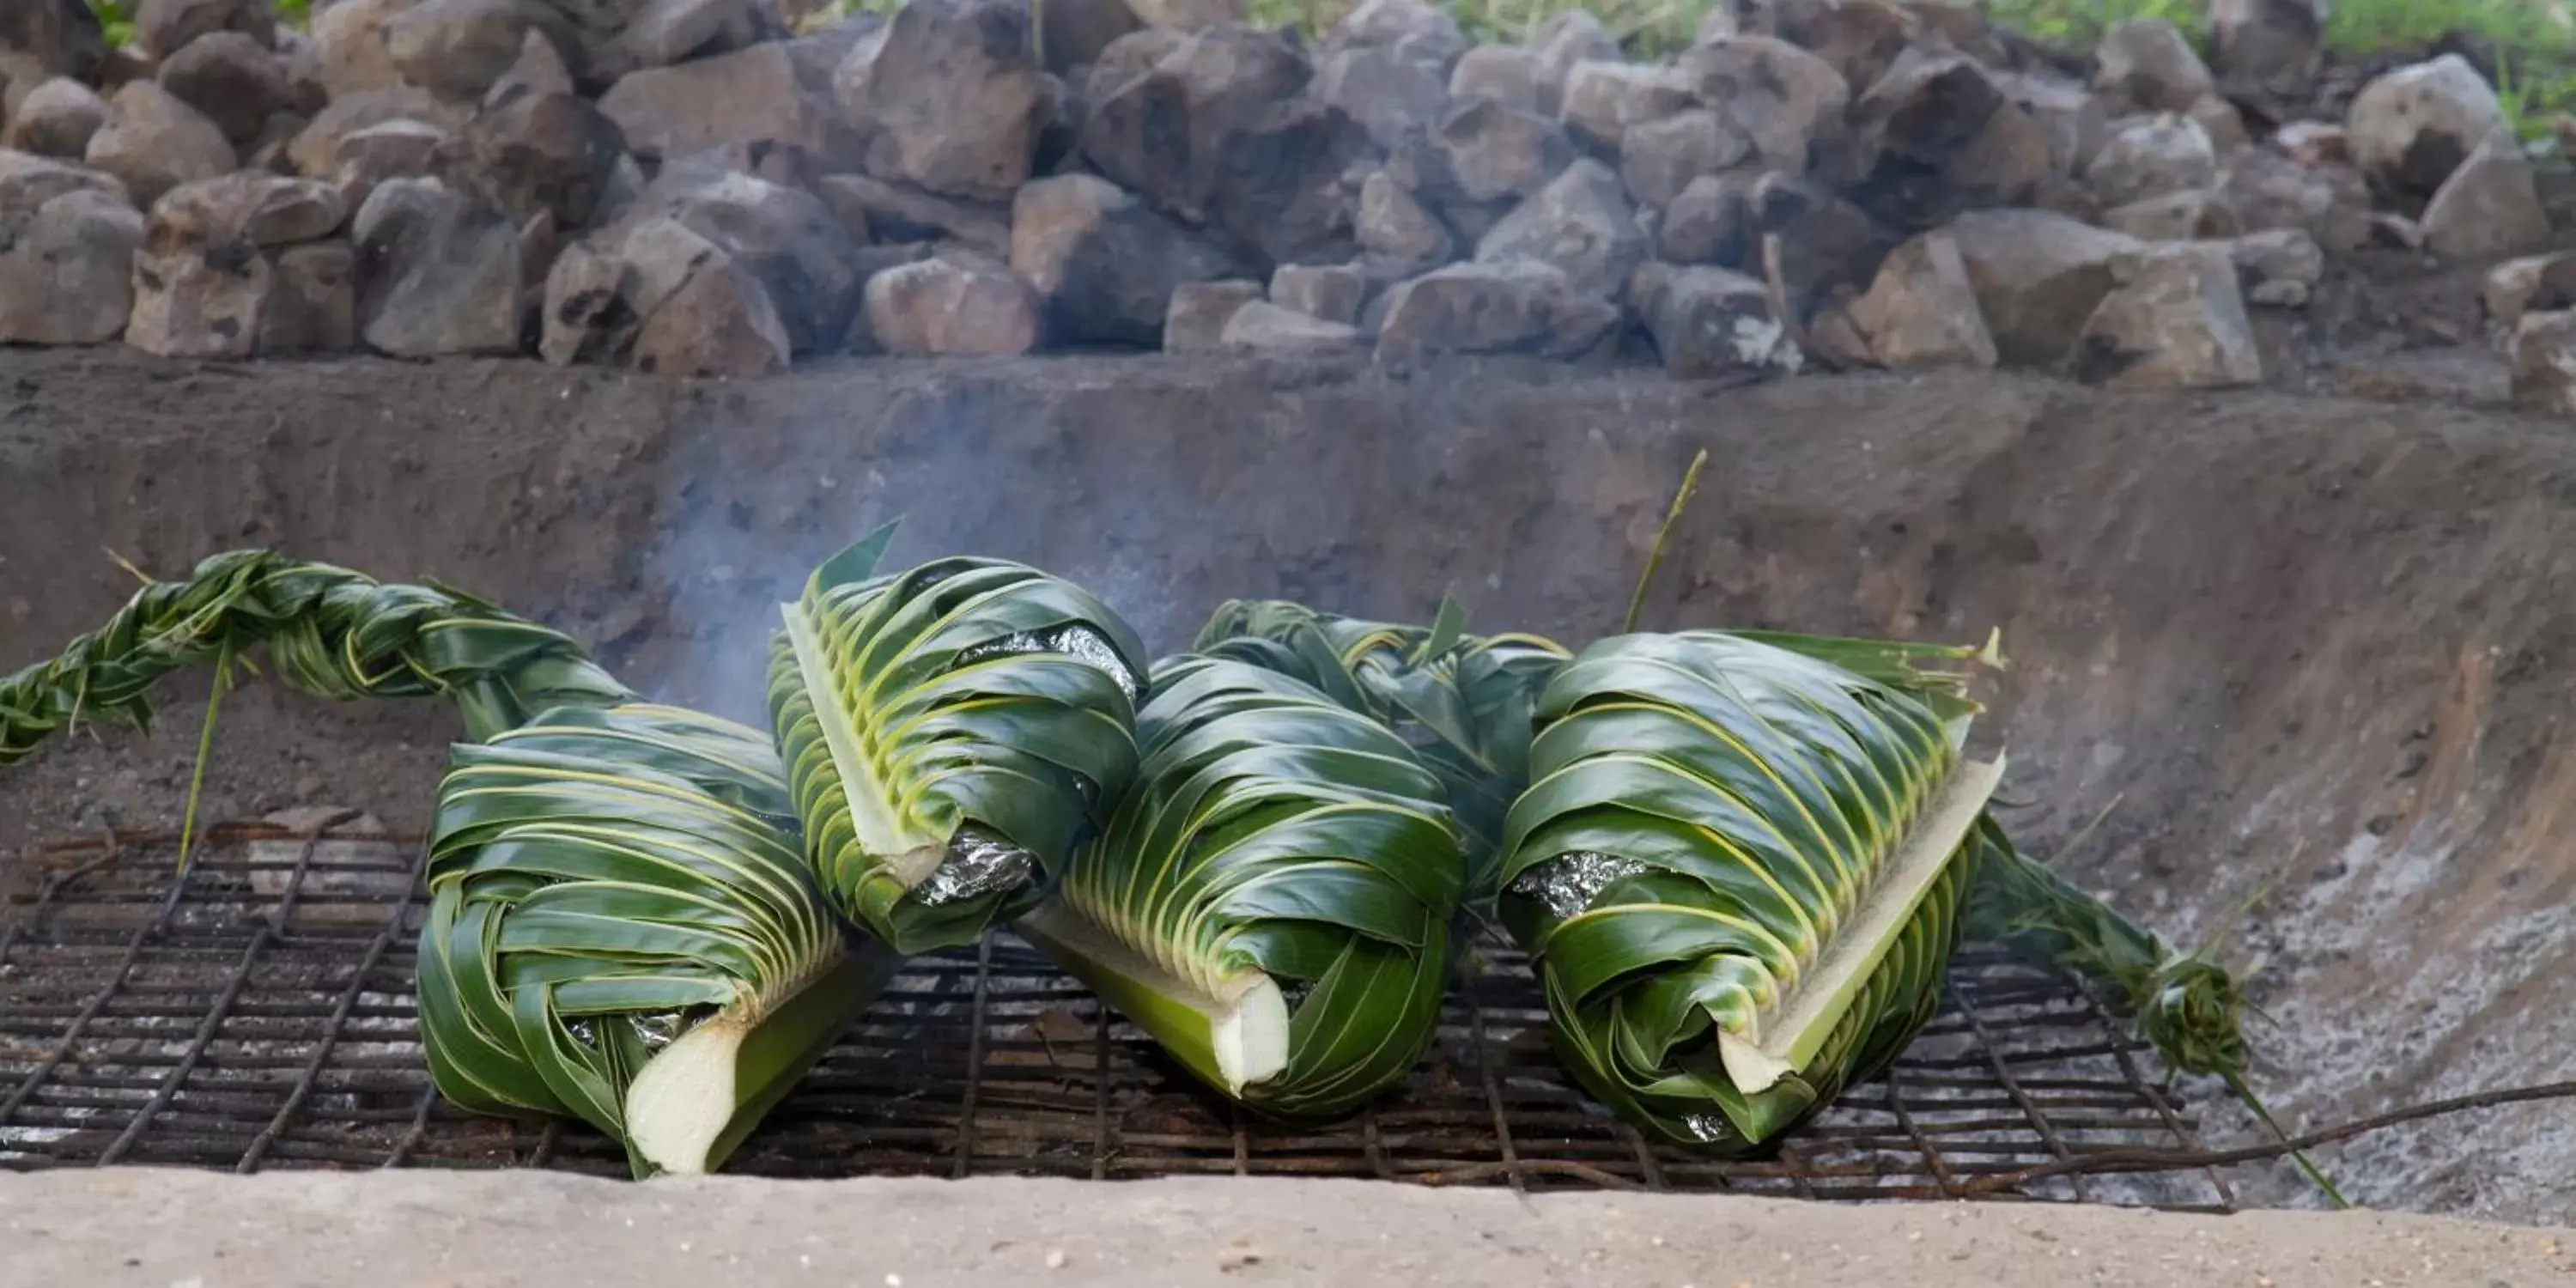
[
  {"x": 2038, "y": 277},
  {"x": 1486, "y": 154},
  {"x": 785, "y": 238},
  {"x": 66, "y": 270},
  {"x": 1922, "y": 311},
  {"x": 2543, "y": 351},
  {"x": 153, "y": 142},
  {"x": 871, "y": 207},
  {"x": 1264, "y": 326},
  {"x": 2489, "y": 206},
  {"x": 164, "y": 27},
  {"x": 1602, "y": 99},
  {"x": 313, "y": 301},
  {"x": 951, "y": 305},
  {"x": 1710, "y": 322},
  {"x": 349, "y": 37},
  {"x": 1660, "y": 158},
  {"x": 267, "y": 151},
  {"x": 2224, "y": 125},
  {"x": 231, "y": 78},
  {"x": 1392, "y": 223},
  {"x": 56, "y": 119},
  {"x": 28, "y": 181},
  {"x": 1943, "y": 139},
  {"x": 457, "y": 48},
  {"x": 397, "y": 149},
  {"x": 2175, "y": 319},
  {"x": 752, "y": 96},
  {"x": 2328, "y": 201},
  {"x": 1103, "y": 264},
  {"x": 2531, "y": 284},
  {"x": 1505, "y": 74},
  {"x": 245, "y": 208},
  {"x": 1711, "y": 222},
  {"x": 2076, "y": 120},
  {"x": 438, "y": 273},
  {"x": 1581, "y": 223},
  {"x": 301, "y": 61},
  {"x": 1569, "y": 37},
  {"x": 1516, "y": 307},
  {"x": 2189, "y": 215},
  {"x": 1782, "y": 97},
  {"x": 1425, "y": 30},
  {"x": 2281, "y": 294},
  {"x": 719, "y": 321},
  {"x": 672, "y": 31},
  {"x": 2278, "y": 255},
  {"x": 533, "y": 151},
  {"x": 1825, "y": 241},
  {"x": 1195, "y": 322},
  {"x": 2314, "y": 143},
  {"x": 1332, "y": 292},
  {"x": 2149, "y": 156},
  {"x": 1072, "y": 33},
  {"x": 189, "y": 304},
  {"x": 599, "y": 289},
  {"x": 316, "y": 152},
  {"x": 2410, "y": 128},
  {"x": 2147, "y": 61},
  {"x": 62, "y": 37},
  {"x": 1389, "y": 93},
  {"x": 1189, "y": 15},
  {"x": 948, "y": 97},
  {"x": 540, "y": 70},
  {"x": 1216, "y": 133},
  {"x": 1863, "y": 39},
  {"x": 2269, "y": 52}
]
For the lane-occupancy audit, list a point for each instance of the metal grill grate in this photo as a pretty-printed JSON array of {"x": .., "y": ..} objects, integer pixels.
[{"x": 257, "y": 1013}]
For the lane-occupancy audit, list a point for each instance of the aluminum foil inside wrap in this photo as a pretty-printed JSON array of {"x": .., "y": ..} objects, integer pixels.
[
  {"x": 1569, "y": 883},
  {"x": 1072, "y": 641},
  {"x": 661, "y": 1028},
  {"x": 978, "y": 862},
  {"x": 1709, "y": 1128}
]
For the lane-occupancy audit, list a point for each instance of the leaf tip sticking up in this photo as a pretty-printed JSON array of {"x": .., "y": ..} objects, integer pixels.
[{"x": 856, "y": 562}]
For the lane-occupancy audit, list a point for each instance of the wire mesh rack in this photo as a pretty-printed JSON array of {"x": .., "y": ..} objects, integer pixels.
[{"x": 256, "y": 1012}]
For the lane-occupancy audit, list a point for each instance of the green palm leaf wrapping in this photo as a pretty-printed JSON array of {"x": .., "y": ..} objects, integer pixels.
[
  {"x": 1740, "y": 872},
  {"x": 1273, "y": 901},
  {"x": 1462, "y": 701},
  {"x": 329, "y": 631},
  {"x": 951, "y": 732},
  {"x": 619, "y": 933},
  {"x": 2190, "y": 1008}
]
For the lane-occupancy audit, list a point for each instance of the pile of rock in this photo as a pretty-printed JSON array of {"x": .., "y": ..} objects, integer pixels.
[{"x": 692, "y": 187}]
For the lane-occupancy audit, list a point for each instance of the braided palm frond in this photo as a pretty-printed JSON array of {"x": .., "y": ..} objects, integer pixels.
[
  {"x": 1273, "y": 901},
  {"x": 328, "y": 631},
  {"x": 1740, "y": 873},
  {"x": 619, "y": 931},
  {"x": 951, "y": 732},
  {"x": 1462, "y": 701}
]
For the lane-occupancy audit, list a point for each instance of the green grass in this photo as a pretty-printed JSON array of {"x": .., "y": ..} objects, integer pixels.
[
  {"x": 117, "y": 16},
  {"x": 2535, "y": 39}
]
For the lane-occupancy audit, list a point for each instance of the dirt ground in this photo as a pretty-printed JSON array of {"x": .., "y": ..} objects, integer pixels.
[
  {"x": 150, "y": 1229},
  {"x": 2310, "y": 653}
]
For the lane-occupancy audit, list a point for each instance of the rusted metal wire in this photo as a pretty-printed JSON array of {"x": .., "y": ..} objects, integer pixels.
[{"x": 257, "y": 1013}]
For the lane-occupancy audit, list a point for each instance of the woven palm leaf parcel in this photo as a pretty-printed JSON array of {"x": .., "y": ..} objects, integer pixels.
[
  {"x": 1740, "y": 872},
  {"x": 1273, "y": 902},
  {"x": 951, "y": 731},
  {"x": 622, "y": 928},
  {"x": 1463, "y": 701}
]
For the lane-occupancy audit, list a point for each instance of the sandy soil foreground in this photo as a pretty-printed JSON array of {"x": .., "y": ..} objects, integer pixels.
[{"x": 463, "y": 1230}]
